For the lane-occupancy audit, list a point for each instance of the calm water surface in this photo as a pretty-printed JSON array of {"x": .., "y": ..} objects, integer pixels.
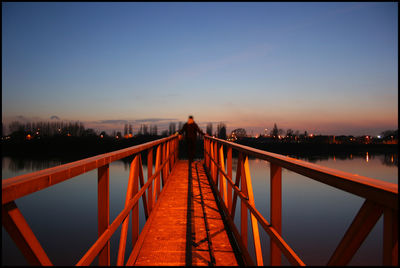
[{"x": 314, "y": 216}]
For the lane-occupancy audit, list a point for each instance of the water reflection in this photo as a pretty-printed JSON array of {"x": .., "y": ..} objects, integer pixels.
[
  {"x": 15, "y": 164},
  {"x": 387, "y": 159},
  {"x": 315, "y": 216}
]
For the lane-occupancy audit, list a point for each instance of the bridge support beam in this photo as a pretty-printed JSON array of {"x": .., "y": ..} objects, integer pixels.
[
  {"x": 276, "y": 211},
  {"x": 103, "y": 211},
  {"x": 19, "y": 230}
]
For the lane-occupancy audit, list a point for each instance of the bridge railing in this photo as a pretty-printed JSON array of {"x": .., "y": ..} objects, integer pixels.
[
  {"x": 16, "y": 187},
  {"x": 380, "y": 198}
]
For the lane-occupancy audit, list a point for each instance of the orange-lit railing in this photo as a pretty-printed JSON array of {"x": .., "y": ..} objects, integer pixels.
[
  {"x": 380, "y": 198},
  {"x": 14, "y": 188}
]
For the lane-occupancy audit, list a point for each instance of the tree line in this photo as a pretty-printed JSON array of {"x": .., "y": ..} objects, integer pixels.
[{"x": 78, "y": 129}]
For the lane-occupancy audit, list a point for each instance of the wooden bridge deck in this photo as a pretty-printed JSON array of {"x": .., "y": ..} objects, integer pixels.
[{"x": 185, "y": 227}]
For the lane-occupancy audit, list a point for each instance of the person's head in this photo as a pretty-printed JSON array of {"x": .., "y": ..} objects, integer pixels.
[{"x": 190, "y": 119}]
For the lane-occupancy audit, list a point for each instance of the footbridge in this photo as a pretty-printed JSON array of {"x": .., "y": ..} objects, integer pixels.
[{"x": 191, "y": 208}]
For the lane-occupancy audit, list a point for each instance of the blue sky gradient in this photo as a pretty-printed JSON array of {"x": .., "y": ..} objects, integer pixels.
[{"x": 328, "y": 68}]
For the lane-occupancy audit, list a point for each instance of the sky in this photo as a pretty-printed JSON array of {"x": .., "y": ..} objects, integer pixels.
[{"x": 326, "y": 68}]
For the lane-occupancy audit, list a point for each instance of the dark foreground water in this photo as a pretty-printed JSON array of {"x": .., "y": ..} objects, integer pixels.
[{"x": 314, "y": 216}]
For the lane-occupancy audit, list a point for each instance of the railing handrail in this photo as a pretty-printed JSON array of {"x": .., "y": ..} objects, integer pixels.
[
  {"x": 18, "y": 228},
  {"x": 19, "y": 186},
  {"x": 381, "y": 198},
  {"x": 381, "y": 192}
]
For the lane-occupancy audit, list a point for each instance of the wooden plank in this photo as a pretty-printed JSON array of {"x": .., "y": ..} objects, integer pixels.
[
  {"x": 103, "y": 207},
  {"x": 163, "y": 241},
  {"x": 19, "y": 230}
]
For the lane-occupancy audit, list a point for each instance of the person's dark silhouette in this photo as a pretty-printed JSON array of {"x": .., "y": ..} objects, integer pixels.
[{"x": 191, "y": 128}]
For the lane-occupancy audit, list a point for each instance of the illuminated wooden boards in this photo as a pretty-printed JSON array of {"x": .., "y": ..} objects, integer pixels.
[{"x": 176, "y": 232}]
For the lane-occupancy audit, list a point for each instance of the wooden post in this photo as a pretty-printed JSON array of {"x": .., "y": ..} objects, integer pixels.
[
  {"x": 149, "y": 174},
  {"x": 135, "y": 210},
  {"x": 157, "y": 182},
  {"x": 131, "y": 191},
  {"x": 361, "y": 226},
  {"x": 276, "y": 211},
  {"x": 164, "y": 173},
  {"x": 248, "y": 189},
  {"x": 215, "y": 166},
  {"x": 229, "y": 167},
  {"x": 205, "y": 152},
  {"x": 212, "y": 162},
  {"x": 209, "y": 151},
  {"x": 237, "y": 182},
  {"x": 19, "y": 230},
  {"x": 222, "y": 184},
  {"x": 141, "y": 180},
  {"x": 243, "y": 208},
  {"x": 168, "y": 165},
  {"x": 103, "y": 210}
]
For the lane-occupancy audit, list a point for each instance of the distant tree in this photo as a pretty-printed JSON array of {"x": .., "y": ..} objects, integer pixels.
[
  {"x": 172, "y": 128},
  {"x": 390, "y": 133},
  {"x": 209, "y": 129},
  {"x": 145, "y": 129},
  {"x": 289, "y": 132},
  {"x": 153, "y": 130},
  {"x": 125, "y": 129},
  {"x": 180, "y": 125},
  {"x": 221, "y": 130},
  {"x": 130, "y": 129},
  {"x": 118, "y": 135},
  {"x": 90, "y": 133},
  {"x": 275, "y": 131},
  {"x": 239, "y": 132}
]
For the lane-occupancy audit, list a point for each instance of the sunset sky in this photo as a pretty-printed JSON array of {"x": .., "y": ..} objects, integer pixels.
[{"x": 328, "y": 68}]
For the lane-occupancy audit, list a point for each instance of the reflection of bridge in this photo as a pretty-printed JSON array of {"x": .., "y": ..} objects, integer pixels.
[{"x": 190, "y": 210}]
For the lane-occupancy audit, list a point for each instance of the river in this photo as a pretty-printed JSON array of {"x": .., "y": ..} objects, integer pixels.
[{"x": 314, "y": 216}]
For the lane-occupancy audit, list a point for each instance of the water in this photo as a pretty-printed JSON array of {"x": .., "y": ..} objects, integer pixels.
[{"x": 314, "y": 216}]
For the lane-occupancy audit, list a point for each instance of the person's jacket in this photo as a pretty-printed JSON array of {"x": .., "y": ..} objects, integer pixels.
[{"x": 190, "y": 130}]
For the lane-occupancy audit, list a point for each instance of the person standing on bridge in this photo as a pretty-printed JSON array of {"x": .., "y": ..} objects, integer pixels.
[{"x": 191, "y": 128}]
